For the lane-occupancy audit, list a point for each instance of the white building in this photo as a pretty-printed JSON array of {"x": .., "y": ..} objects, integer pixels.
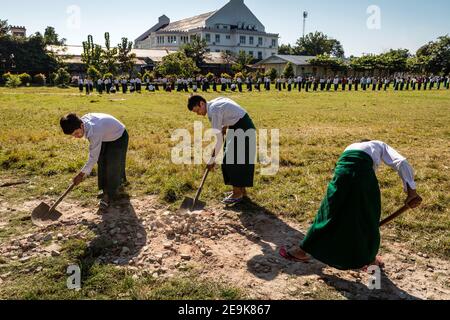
[{"x": 233, "y": 28}]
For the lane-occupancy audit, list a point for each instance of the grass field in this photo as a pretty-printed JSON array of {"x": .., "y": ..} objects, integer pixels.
[{"x": 315, "y": 129}]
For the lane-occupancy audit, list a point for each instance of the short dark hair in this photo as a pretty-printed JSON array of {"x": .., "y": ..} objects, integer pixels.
[
  {"x": 365, "y": 140},
  {"x": 194, "y": 101},
  {"x": 70, "y": 123}
]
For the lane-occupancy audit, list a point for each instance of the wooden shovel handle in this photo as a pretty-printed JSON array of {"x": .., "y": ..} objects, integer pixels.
[
  {"x": 394, "y": 215},
  {"x": 62, "y": 197},
  {"x": 205, "y": 176}
]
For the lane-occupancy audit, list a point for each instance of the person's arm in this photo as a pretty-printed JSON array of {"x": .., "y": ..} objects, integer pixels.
[
  {"x": 217, "y": 121},
  {"x": 95, "y": 148},
  {"x": 399, "y": 163}
]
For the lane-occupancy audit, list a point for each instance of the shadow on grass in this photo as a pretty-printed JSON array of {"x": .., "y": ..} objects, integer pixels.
[{"x": 271, "y": 231}]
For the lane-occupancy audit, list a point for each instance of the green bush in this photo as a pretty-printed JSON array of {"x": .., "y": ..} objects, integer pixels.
[
  {"x": 225, "y": 75},
  {"x": 272, "y": 74},
  {"x": 210, "y": 76},
  {"x": 25, "y": 78},
  {"x": 108, "y": 75},
  {"x": 39, "y": 79},
  {"x": 62, "y": 78},
  {"x": 239, "y": 75},
  {"x": 93, "y": 73},
  {"x": 149, "y": 75},
  {"x": 5, "y": 77},
  {"x": 13, "y": 81}
]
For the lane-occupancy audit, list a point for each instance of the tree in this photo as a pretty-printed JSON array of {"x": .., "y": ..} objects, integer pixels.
[
  {"x": 125, "y": 57},
  {"x": 28, "y": 55},
  {"x": 196, "y": 50},
  {"x": 272, "y": 74},
  {"x": 93, "y": 73},
  {"x": 365, "y": 63},
  {"x": 109, "y": 57},
  {"x": 327, "y": 61},
  {"x": 289, "y": 70},
  {"x": 394, "y": 60},
  {"x": 285, "y": 49},
  {"x": 4, "y": 27},
  {"x": 177, "y": 64},
  {"x": 314, "y": 44},
  {"x": 243, "y": 59},
  {"x": 92, "y": 54},
  {"x": 52, "y": 38},
  {"x": 437, "y": 55},
  {"x": 417, "y": 64},
  {"x": 62, "y": 77}
]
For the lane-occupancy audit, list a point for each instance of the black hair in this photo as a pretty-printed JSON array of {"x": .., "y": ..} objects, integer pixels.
[
  {"x": 70, "y": 123},
  {"x": 194, "y": 101},
  {"x": 365, "y": 140}
]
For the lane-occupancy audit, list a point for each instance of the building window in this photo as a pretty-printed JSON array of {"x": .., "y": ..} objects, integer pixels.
[
  {"x": 251, "y": 40},
  {"x": 250, "y": 53},
  {"x": 260, "y": 41},
  {"x": 260, "y": 56},
  {"x": 274, "y": 42},
  {"x": 228, "y": 37},
  {"x": 217, "y": 50},
  {"x": 208, "y": 37},
  {"x": 172, "y": 39},
  {"x": 208, "y": 50},
  {"x": 243, "y": 40},
  {"x": 160, "y": 40},
  {"x": 217, "y": 38},
  {"x": 184, "y": 39},
  {"x": 225, "y": 27}
]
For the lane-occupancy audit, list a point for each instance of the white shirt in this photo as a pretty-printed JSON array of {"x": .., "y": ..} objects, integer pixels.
[
  {"x": 381, "y": 152},
  {"x": 224, "y": 112},
  {"x": 99, "y": 128}
]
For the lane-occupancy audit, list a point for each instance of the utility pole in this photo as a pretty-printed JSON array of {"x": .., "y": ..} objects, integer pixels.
[{"x": 305, "y": 16}]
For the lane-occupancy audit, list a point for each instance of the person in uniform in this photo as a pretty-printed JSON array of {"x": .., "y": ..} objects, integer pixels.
[
  {"x": 346, "y": 232},
  {"x": 80, "y": 84},
  {"x": 230, "y": 119},
  {"x": 100, "y": 86},
  {"x": 108, "y": 139}
]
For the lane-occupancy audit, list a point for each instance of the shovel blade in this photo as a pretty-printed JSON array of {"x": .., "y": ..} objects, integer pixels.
[
  {"x": 188, "y": 204},
  {"x": 41, "y": 216}
]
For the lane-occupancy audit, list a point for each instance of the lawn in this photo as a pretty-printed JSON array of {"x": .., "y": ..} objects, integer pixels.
[{"x": 314, "y": 129}]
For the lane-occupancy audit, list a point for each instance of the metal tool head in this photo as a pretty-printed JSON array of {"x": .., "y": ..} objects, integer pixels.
[
  {"x": 41, "y": 215},
  {"x": 188, "y": 204}
]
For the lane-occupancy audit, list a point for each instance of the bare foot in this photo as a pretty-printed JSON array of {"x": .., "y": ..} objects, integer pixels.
[
  {"x": 296, "y": 255},
  {"x": 378, "y": 262}
]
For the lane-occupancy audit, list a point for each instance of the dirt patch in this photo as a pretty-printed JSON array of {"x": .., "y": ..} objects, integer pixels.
[{"x": 237, "y": 245}]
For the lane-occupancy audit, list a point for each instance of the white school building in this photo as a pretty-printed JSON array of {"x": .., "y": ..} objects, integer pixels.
[{"x": 233, "y": 28}]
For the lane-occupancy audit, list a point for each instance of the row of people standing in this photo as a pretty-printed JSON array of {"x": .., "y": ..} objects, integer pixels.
[
  {"x": 108, "y": 85},
  {"x": 249, "y": 84},
  {"x": 363, "y": 83}
]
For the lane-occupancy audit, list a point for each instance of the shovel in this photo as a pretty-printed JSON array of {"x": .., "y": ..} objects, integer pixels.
[
  {"x": 399, "y": 212},
  {"x": 43, "y": 214},
  {"x": 194, "y": 204}
]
